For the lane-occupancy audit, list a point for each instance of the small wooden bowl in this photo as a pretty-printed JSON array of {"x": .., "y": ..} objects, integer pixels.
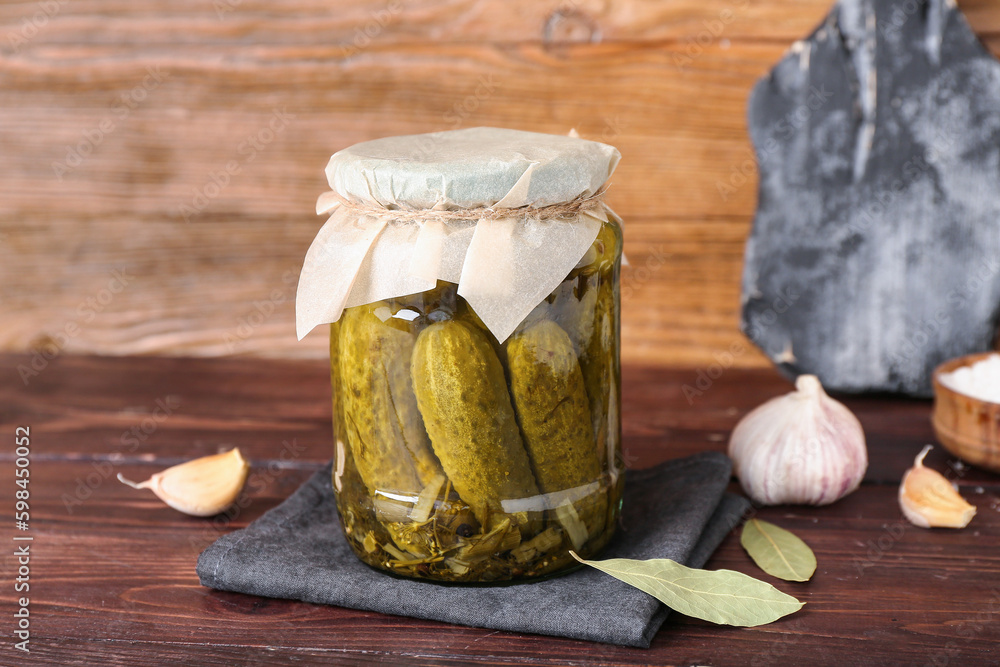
[{"x": 967, "y": 427}]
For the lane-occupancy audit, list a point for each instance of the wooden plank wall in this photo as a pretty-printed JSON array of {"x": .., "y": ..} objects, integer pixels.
[{"x": 121, "y": 231}]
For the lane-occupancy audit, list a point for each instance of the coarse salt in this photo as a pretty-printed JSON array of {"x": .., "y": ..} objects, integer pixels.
[{"x": 980, "y": 380}]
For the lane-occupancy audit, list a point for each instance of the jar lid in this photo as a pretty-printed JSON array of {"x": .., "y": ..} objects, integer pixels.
[{"x": 480, "y": 167}]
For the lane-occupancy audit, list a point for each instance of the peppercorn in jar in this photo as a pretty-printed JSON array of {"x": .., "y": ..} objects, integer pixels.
[{"x": 471, "y": 282}]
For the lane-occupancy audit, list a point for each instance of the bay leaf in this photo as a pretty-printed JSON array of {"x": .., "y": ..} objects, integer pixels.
[
  {"x": 777, "y": 551},
  {"x": 720, "y": 596}
]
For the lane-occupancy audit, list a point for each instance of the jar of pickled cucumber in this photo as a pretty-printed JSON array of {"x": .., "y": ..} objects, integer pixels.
[{"x": 470, "y": 279}]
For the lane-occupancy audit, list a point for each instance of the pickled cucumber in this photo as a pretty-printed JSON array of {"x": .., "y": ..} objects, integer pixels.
[
  {"x": 553, "y": 409},
  {"x": 382, "y": 422},
  {"x": 599, "y": 373},
  {"x": 462, "y": 395},
  {"x": 345, "y": 477},
  {"x": 585, "y": 306},
  {"x": 352, "y": 494}
]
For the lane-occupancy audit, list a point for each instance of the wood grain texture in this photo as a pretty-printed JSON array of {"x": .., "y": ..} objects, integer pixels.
[
  {"x": 319, "y": 22},
  {"x": 115, "y": 580},
  {"x": 118, "y": 121}
]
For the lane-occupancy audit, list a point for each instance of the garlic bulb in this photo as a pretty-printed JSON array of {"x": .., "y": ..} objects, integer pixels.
[
  {"x": 928, "y": 500},
  {"x": 801, "y": 448},
  {"x": 202, "y": 487}
]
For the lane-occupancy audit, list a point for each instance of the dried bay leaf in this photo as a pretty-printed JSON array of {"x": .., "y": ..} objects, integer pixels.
[
  {"x": 777, "y": 551},
  {"x": 720, "y": 596}
]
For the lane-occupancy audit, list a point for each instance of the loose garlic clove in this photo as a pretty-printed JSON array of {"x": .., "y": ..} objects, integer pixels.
[
  {"x": 202, "y": 487},
  {"x": 928, "y": 500},
  {"x": 800, "y": 448}
]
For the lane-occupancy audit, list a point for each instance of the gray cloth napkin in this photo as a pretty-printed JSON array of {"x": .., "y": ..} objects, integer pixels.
[{"x": 676, "y": 510}]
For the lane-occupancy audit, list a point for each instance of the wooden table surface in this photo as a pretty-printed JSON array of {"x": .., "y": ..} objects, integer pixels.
[{"x": 112, "y": 570}]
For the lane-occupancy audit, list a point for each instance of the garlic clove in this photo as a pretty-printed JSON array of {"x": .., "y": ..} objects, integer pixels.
[
  {"x": 801, "y": 448},
  {"x": 202, "y": 487},
  {"x": 928, "y": 500}
]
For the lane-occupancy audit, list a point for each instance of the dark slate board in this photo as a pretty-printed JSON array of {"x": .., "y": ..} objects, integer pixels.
[{"x": 875, "y": 250}]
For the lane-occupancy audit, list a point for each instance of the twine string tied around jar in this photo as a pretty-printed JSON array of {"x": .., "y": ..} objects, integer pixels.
[{"x": 331, "y": 200}]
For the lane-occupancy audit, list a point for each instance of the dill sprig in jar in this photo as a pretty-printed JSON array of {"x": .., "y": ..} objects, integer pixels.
[{"x": 470, "y": 279}]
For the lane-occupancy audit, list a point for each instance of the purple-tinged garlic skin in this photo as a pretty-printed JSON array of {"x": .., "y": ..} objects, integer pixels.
[{"x": 803, "y": 448}]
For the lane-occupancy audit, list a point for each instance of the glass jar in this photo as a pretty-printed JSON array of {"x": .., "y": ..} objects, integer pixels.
[
  {"x": 459, "y": 458},
  {"x": 470, "y": 279}
]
